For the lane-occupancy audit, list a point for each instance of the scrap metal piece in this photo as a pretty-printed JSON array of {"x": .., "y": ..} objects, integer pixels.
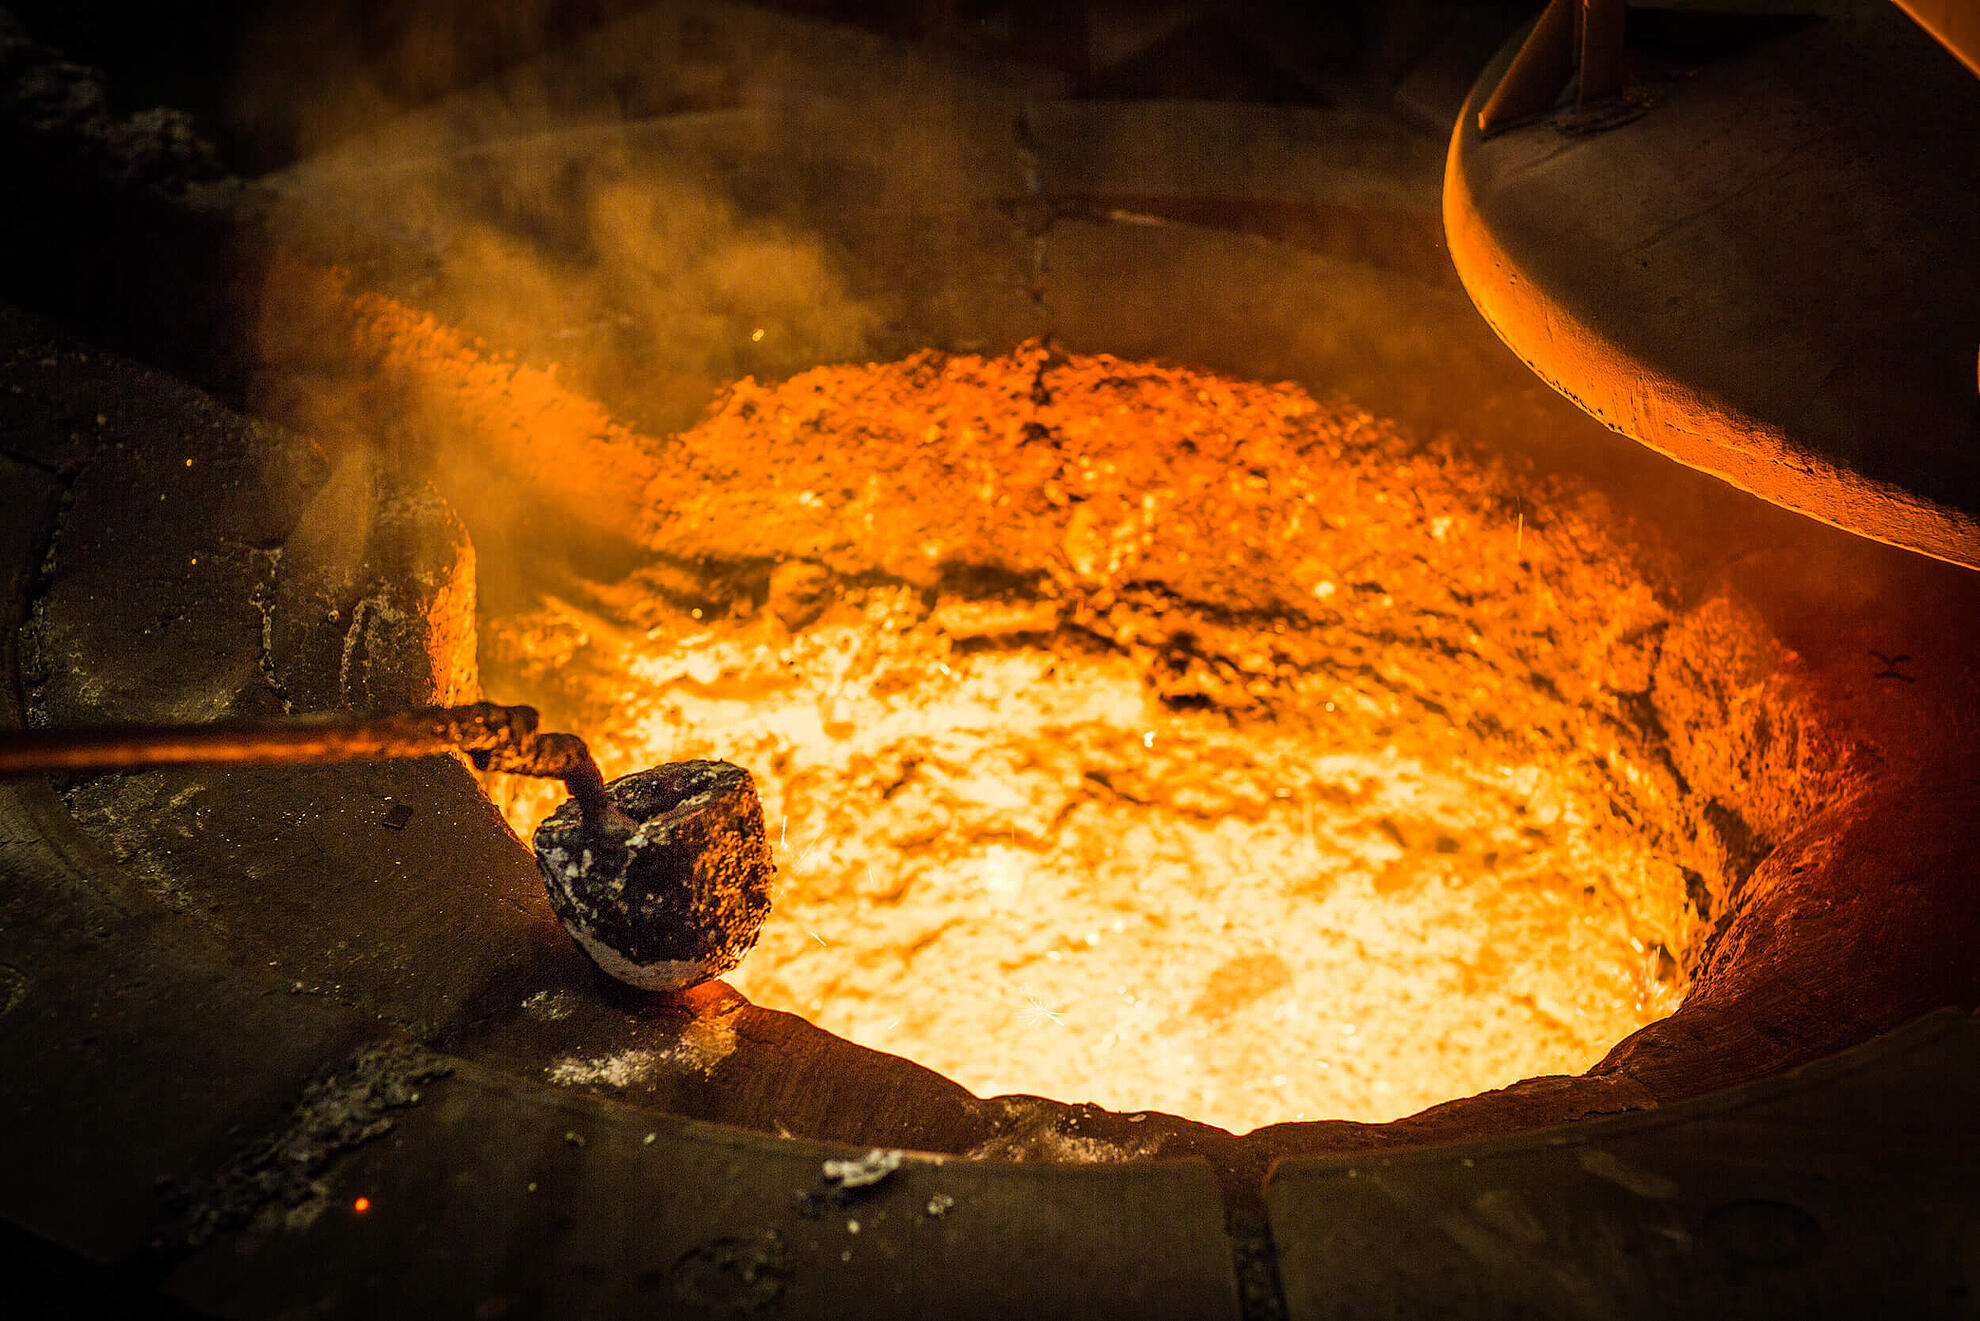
[{"x": 864, "y": 1172}]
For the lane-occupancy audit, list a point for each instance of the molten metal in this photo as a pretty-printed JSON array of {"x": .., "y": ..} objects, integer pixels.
[{"x": 1136, "y": 735}]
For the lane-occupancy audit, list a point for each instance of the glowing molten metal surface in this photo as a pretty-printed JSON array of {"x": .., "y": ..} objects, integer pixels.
[{"x": 1140, "y": 736}]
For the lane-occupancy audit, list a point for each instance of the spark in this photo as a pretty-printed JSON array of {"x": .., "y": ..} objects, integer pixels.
[
  {"x": 1148, "y": 739},
  {"x": 784, "y": 843},
  {"x": 361, "y": 1205},
  {"x": 815, "y": 936},
  {"x": 1037, "y": 1015},
  {"x": 1519, "y": 537}
]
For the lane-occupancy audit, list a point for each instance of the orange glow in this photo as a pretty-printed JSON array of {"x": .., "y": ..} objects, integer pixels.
[
  {"x": 1136, "y": 735},
  {"x": 361, "y": 1205}
]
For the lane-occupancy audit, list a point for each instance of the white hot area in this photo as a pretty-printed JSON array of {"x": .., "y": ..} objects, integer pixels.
[{"x": 1019, "y": 868}]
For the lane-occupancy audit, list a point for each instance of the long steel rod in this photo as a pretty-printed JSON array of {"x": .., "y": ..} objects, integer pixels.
[{"x": 501, "y": 738}]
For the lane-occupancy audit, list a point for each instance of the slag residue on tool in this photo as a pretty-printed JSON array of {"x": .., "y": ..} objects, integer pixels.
[{"x": 671, "y": 886}]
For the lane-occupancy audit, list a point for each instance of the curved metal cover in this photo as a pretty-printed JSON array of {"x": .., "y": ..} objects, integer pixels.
[{"x": 1771, "y": 274}]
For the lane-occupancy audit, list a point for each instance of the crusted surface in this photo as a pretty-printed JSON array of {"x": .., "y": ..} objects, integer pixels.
[
  {"x": 679, "y": 898},
  {"x": 272, "y": 1183}
]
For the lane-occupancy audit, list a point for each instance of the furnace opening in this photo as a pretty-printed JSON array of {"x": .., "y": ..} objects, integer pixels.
[{"x": 1135, "y": 735}]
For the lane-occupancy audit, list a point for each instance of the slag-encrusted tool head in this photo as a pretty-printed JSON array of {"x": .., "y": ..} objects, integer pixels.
[{"x": 671, "y": 887}]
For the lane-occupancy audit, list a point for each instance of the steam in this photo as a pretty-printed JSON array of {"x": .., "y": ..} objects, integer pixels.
[{"x": 545, "y": 276}]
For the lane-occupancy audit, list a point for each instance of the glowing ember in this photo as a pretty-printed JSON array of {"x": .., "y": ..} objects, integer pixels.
[{"x": 1144, "y": 737}]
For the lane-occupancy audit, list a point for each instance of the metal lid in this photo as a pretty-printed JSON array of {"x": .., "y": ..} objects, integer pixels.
[{"x": 1765, "y": 264}]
